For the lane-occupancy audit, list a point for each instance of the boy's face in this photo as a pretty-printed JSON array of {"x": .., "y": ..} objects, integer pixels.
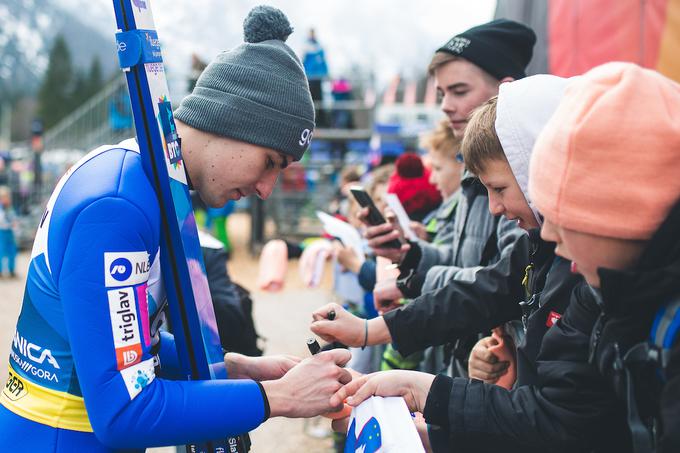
[
  {"x": 505, "y": 196},
  {"x": 445, "y": 174},
  {"x": 463, "y": 87},
  {"x": 589, "y": 252},
  {"x": 231, "y": 169}
]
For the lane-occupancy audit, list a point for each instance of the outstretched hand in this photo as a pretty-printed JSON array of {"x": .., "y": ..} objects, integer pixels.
[
  {"x": 413, "y": 386},
  {"x": 345, "y": 328}
]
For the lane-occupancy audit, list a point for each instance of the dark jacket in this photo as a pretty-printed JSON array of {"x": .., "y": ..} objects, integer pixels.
[
  {"x": 629, "y": 302},
  {"x": 232, "y": 304},
  {"x": 476, "y": 239},
  {"x": 463, "y": 307},
  {"x": 572, "y": 408}
]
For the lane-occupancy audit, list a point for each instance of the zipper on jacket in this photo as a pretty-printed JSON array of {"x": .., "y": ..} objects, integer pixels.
[{"x": 597, "y": 328}]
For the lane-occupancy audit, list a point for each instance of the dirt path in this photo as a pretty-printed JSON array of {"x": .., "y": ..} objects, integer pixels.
[{"x": 282, "y": 318}]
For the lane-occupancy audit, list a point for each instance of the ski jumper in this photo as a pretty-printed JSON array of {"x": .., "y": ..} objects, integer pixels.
[{"x": 87, "y": 371}]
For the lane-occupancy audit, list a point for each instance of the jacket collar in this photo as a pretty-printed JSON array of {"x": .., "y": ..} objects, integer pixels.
[{"x": 653, "y": 280}]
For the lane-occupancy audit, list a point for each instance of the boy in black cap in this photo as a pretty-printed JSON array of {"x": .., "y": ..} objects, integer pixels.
[{"x": 469, "y": 68}]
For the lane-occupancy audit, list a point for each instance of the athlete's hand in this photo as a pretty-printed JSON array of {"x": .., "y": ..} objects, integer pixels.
[
  {"x": 413, "y": 386},
  {"x": 386, "y": 295},
  {"x": 483, "y": 364},
  {"x": 258, "y": 368},
  {"x": 306, "y": 390}
]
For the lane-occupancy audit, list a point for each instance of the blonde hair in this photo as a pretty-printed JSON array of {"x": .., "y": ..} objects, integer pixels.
[
  {"x": 480, "y": 143},
  {"x": 441, "y": 140}
]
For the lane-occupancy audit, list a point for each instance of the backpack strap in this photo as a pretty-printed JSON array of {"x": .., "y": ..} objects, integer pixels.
[
  {"x": 653, "y": 353},
  {"x": 665, "y": 330}
]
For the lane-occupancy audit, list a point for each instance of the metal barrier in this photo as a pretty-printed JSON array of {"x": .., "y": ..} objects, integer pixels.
[{"x": 104, "y": 118}]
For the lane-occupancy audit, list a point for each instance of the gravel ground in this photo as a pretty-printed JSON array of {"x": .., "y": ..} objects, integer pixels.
[{"x": 282, "y": 318}]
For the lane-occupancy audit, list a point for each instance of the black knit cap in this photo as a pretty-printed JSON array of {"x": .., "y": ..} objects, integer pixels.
[{"x": 502, "y": 47}]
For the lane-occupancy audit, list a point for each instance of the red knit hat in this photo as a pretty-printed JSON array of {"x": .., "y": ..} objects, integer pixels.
[{"x": 410, "y": 183}]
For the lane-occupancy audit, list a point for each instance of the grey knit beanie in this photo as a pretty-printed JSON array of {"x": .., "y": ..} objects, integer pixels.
[{"x": 257, "y": 92}]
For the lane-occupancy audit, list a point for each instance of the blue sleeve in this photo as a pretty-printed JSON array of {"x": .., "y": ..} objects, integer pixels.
[
  {"x": 367, "y": 276},
  {"x": 127, "y": 405},
  {"x": 167, "y": 354}
]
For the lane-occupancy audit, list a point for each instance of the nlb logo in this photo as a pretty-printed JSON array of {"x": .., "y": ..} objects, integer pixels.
[
  {"x": 306, "y": 137},
  {"x": 126, "y": 268},
  {"x": 121, "y": 269}
]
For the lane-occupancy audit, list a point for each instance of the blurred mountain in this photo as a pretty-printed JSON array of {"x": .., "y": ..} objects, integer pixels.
[{"x": 27, "y": 31}]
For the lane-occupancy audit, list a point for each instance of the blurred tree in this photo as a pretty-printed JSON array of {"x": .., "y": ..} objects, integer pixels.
[
  {"x": 95, "y": 81},
  {"x": 54, "y": 95},
  {"x": 86, "y": 85}
]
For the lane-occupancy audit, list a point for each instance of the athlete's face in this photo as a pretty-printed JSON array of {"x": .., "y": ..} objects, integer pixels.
[
  {"x": 224, "y": 169},
  {"x": 463, "y": 86}
]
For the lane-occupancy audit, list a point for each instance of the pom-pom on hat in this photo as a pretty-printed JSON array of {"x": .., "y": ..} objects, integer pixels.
[
  {"x": 257, "y": 92},
  {"x": 410, "y": 183}
]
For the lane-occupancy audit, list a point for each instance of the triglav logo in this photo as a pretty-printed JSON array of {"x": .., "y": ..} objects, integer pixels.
[
  {"x": 121, "y": 269},
  {"x": 305, "y": 137},
  {"x": 124, "y": 326}
]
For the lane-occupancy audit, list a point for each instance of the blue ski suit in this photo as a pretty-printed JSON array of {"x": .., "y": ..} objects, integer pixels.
[{"x": 87, "y": 371}]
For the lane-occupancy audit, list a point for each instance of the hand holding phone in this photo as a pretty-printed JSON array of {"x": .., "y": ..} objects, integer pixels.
[{"x": 374, "y": 215}]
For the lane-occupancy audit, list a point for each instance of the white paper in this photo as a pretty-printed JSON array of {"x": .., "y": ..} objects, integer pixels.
[
  {"x": 382, "y": 425},
  {"x": 395, "y": 205},
  {"x": 349, "y": 235}
]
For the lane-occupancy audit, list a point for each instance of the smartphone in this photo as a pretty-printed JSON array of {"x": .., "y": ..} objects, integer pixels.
[{"x": 374, "y": 215}]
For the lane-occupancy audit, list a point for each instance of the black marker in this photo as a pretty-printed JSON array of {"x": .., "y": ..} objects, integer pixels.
[
  {"x": 313, "y": 346},
  {"x": 331, "y": 315}
]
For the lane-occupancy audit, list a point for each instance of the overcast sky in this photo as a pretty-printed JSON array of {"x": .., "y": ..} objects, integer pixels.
[{"x": 387, "y": 36}]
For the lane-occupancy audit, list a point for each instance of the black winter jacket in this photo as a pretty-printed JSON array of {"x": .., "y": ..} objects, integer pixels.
[
  {"x": 629, "y": 302},
  {"x": 465, "y": 307},
  {"x": 572, "y": 408}
]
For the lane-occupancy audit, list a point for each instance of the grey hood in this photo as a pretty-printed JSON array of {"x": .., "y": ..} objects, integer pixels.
[{"x": 524, "y": 107}]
